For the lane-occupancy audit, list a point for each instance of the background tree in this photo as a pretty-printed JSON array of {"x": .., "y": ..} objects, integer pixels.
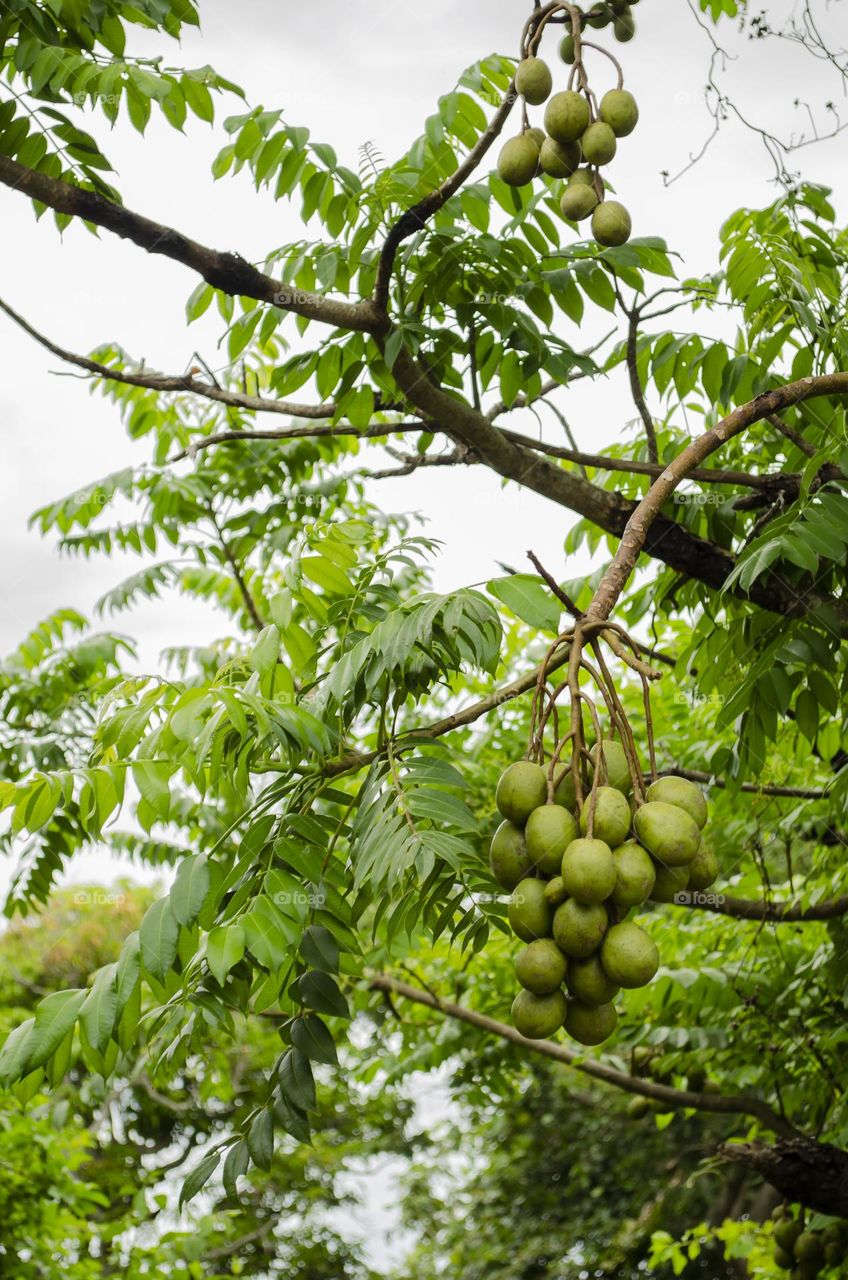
[{"x": 321, "y": 779}]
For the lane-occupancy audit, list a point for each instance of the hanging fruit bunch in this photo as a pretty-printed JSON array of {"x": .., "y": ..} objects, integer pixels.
[
  {"x": 808, "y": 1252},
  {"x": 586, "y": 838},
  {"x": 581, "y": 133}
]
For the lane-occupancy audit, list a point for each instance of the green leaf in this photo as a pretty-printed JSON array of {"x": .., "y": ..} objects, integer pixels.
[
  {"x": 320, "y": 991},
  {"x": 260, "y": 1140},
  {"x": 224, "y": 948},
  {"x": 100, "y": 1008},
  {"x": 312, "y": 1037},
  {"x": 296, "y": 1080},
  {"x": 319, "y": 948},
  {"x": 266, "y": 651},
  {"x": 190, "y": 888},
  {"x": 199, "y": 1176},
  {"x": 158, "y": 937},
  {"x": 529, "y": 599}
]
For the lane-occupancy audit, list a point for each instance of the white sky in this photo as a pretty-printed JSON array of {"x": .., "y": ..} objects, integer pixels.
[{"x": 355, "y": 72}]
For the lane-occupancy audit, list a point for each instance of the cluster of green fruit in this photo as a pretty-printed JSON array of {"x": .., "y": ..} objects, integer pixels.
[
  {"x": 806, "y": 1253},
  {"x": 573, "y": 889},
  {"x": 576, "y": 142}
]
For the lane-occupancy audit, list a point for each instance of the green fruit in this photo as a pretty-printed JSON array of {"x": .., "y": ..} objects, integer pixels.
[
  {"x": 588, "y": 982},
  {"x": 508, "y": 857},
  {"x": 598, "y": 143},
  {"x": 617, "y": 768},
  {"x": 834, "y": 1252},
  {"x": 522, "y": 788},
  {"x": 599, "y": 16},
  {"x": 619, "y": 110},
  {"x": 703, "y": 870},
  {"x": 518, "y": 162},
  {"x": 550, "y": 830},
  {"x": 783, "y": 1259},
  {"x": 566, "y": 49},
  {"x": 588, "y": 870},
  {"x": 624, "y": 27},
  {"x": 577, "y": 202},
  {"x": 786, "y": 1233},
  {"x": 629, "y": 955},
  {"x": 567, "y": 115},
  {"x": 578, "y": 929},
  {"x": 589, "y": 1024},
  {"x": 809, "y": 1249},
  {"x": 559, "y": 159},
  {"x": 529, "y": 911},
  {"x": 611, "y": 820},
  {"x": 780, "y": 1211},
  {"x": 537, "y": 134},
  {"x": 634, "y": 875},
  {"x": 533, "y": 80},
  {"x": 611, "y": 224},
  {"x": 581, "y": 177},
  {"x": 669, "y": 882},
  {"x": 538, "y": 1017},
  {"x": 638, "y": 1107},
  {"x": 555, "y": 891},
  {"x": 683, "y": 794},
  {"x": 669, "y": 834},
  {"x": 564, "y": 791},
  {"x": 540, "y": 967}
]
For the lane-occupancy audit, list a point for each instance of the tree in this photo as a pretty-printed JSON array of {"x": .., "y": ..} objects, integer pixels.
[{"x": 322, "y": 778}]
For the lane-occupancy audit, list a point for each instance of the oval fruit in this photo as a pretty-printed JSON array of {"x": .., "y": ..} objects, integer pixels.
[
  {"x": 529, "y": 911},
  {"x": 522, "y": 787},
  {"x": 611, "y": 820},
  {"x": 590, "y": 1024},
  {"x": 567, "y": 116},
  {"x": 540, "y": 967},
  {"x": 589, "y": 983},
  {"x": 550, "y": 830},
  {"x": 598, "y": 143},
  {"x": 559, "y": 159},
  {"x": 629, "y": 955},
  {"x": 669, "y": 882},
  {"x": 508, "y": 857},
  {"x": 588, "y": 870},
  {"x": 533, "y": 80},
  {"x": 518, "y": 161},
  {"x": 555, "y": 891},
  {"x": 538, "y": 1017},
  {"x": 578, "y": 929},
  {"x": 611, "y": 224},
  {"x": 618, "y": 109},
  {"x": 615, "y": 760},
  {"x": 703, "y": 870},
  {"x": 634, "y": 875},
  {"x": 683, "y": 794},
  {"x": 669, "y": 834}
]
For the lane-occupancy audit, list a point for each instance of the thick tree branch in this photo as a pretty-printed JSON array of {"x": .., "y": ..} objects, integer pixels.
[
  {"x": 814, "y": 1174},
  {"x": 771, "y": 912},
  {"x": 225, "y": 271},
  {"x": 637, "y": 534},
  {"x": 674, "y": 1098}
]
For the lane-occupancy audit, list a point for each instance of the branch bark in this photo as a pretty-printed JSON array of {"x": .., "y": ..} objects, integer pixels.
[
  {"x": 771, "y": 912},
  {"x": 720, "y": 1104},
  {"x": 811, "y": 1173}
]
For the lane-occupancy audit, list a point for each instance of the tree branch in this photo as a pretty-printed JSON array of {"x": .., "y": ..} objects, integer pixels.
[
  {"x": 636, "y": 536},
  {"x": 636, "y": 389},
  {"x": 766, "y": 789},
  {"x": 771, "y": 912},
  {"x": 674, "y": 1098},
  {"x": 225, "y": 271}
]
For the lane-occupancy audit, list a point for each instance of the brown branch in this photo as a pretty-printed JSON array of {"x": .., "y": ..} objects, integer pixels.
[
  {"x": 636, "y": 389},
  {"x": 791, "y": 434},
  {"x": 771, "y": 912},
  {"x": 727, "y": 1104},
  {"x": 811, "y": 1173},
  {"x": 635, "y": 537},
  {"x": 226, "y": 271},
  {"x": 756, "y": 788},
  {"x": 249, "y": 602},
  {"x": 413, "y": 462}
]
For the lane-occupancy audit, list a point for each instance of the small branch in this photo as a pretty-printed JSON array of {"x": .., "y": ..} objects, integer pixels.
[
  {"x": 249, "y": 602},
  {"x": 413, "y": 462},
  {"x": 675, "y": 1098},
  {"x": 636, "y": 388},
  {"x": 794, "y": 793},
  {"x": 791, "y": 434}
]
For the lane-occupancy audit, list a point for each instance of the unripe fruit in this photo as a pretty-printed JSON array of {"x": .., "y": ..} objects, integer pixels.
[
  {"x": 550, "y": 830},
  {"x": 637, "y": 1108},
  {"x": 566, "y": 116},
  {"x": 598, "y": 143},
  {"x": 590, "y": 1025},
  {"x": 684, "y": 794},
  {"x": 809, "y": 1249},
  {"x": 508, "y": 857},
  {"x": 611, "y": 819},
  {"x": 523, "y": 786},
  {"x": 668, "y": 833},
  {"x": 564, "y": 791},
  {"x": 611, "y": 224},
  {"x": 540, "y": 967},
  {"x": 618, "y": 109},
  {"x": 624, "y": 27},
  {"x": 577, "y": 202},
  {"x": 537, "y": 134},
  {"x": 559, "y": 159},
  {"x": 634, "y": 875},
  {"x": 529, "y": 911},
  {"x": 588, "y": 870},
  {"x": 669, "y": 882},
  {"x": 533, "y": 80},
  {"x": 583, "y": 177},
  {"x": 555, "y": 892},
  {"x": 703, "y": 870},
  {"x": 566, "y": 49},
  {"x": 599, "y": 16},
  {"x": 538, "y": 1017},
  {"x": 617, "y": 768},
  {"x": 588, "y": 982},
  {"x": 518, "y": 162},
  {"x": 784, "y": 1260},
  {"x": 578, "y": 929},
  {"x": 629, "y": 955}
]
